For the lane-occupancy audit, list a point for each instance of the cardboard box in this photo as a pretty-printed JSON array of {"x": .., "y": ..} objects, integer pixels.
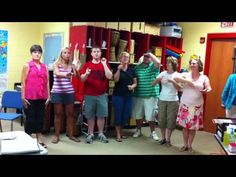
[
  {"x": 158, "y": 51},
  {"x": 171, "y": 31}
]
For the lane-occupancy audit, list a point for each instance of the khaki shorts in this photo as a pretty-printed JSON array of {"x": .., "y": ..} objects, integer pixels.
[
  {"x": 96, "y": 106},
  {"x": 145, "y": 108},
  {"x": 167, "y": 114}
]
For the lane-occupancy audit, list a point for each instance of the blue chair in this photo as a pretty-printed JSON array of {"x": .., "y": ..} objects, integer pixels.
[{"x": 11, "y": 99}]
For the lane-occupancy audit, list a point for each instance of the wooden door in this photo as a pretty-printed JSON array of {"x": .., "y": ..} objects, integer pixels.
[{"x": 220, "y": 67}]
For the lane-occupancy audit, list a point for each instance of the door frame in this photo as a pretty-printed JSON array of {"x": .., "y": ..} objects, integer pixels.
[{"x": 210, "y": 38}]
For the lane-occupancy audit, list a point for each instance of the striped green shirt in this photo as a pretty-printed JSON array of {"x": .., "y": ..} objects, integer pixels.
[{"x": 145, "y": 76}]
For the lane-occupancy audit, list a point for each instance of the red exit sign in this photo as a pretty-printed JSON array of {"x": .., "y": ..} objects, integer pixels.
[{"x": 227, "y": 24}]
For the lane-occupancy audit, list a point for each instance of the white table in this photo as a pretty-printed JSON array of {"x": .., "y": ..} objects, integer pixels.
[{"x": 19, "y": 142}]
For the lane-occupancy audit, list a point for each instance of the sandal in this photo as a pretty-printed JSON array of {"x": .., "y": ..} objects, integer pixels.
[
  {"x": 163, "y": 141},
  {"x": 184, "y": 148},
  {"x": 168, "y": 144},
  {"x": 190, "y": 150},
  {"x": 123, "y": 137},
  {"x": 55, "y": 140},
  {"x": 119, "y": 140},
  {"x": 74, "y": 139},
  {"x": 44, "y": 145}
]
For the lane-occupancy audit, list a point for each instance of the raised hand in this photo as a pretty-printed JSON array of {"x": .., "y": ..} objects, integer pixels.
[
  {"x": 68, "y": 75},
  {"x": 130, "y": 87},
  {"x": 103, "y": 60},
  {"x": 76, "y": 46},
  {"x": 76, "y": 60},
  {"x": 120, "y": 67},
  {"x": 88, "y": 71}
]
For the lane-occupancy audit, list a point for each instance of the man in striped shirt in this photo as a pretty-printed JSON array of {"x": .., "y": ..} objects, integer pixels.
[{"x": 145, "y": 97}]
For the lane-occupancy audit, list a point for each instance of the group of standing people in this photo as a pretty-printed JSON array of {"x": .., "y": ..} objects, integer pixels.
[
  {"x": 188, "y": 111},
  {"x": 36, "y": 93},
  {"x": 147, "y": 103},
  {"x": 136, "y": 95}
]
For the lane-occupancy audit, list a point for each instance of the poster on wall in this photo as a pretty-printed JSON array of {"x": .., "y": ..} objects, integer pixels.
[
  {"x": 3, "y": 60},
  {"x": 53, "y": 43}
]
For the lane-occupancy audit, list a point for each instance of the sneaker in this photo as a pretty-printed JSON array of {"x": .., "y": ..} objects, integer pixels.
[
  {"x": 89, "y": 138},
  {"x": 137, "y": 133},
  {"x": 103, "y": 138},
  {"x": 154, "y": 136}
]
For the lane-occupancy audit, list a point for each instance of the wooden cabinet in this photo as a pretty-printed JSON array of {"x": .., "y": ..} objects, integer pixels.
[{"x": 137, "y": 43}]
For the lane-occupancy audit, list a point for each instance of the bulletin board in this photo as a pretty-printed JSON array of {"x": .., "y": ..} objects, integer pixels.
[
  {"x": 3, "y": 60},
  {"x": 53, "y": 43}
]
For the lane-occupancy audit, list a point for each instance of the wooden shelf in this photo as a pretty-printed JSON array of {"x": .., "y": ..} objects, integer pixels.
[{"x": 142, "y": 42}]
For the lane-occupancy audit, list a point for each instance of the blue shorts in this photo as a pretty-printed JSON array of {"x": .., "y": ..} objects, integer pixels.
[
  {"x": 96, "y": 106},
  {"x": 63, "y": 98}
]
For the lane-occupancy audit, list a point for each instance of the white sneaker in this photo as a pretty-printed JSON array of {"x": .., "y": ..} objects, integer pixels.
[
  {"x": 137, "y": 133},
  {"x": 154, "y": 136}
]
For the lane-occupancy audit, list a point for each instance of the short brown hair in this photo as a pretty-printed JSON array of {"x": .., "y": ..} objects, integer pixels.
[
  {"x": 96, "y": 47},
  {"x": 35, "y": 48},
  {"x": 173, "y": 61},
  {"x": 199, "y": 62}
]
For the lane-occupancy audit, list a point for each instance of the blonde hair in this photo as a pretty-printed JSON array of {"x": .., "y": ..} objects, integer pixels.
[
  {"x": 59, "y": 60},
  {"x": 122, "y": 54}
]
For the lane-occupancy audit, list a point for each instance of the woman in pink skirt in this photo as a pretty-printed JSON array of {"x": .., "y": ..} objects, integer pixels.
[{"x": 190, "y": 114}]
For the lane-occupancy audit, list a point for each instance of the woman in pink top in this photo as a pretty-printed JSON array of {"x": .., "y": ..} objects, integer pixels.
[
  {"x": 35, "y": 93},
  {"x": 190, "y": 114}
]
